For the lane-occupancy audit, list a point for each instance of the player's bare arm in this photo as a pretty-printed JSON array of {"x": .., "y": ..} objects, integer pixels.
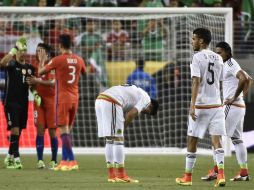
[
  {"x": 194, "y": 94},
  {"x": 243, "y": 80},
  {"x": 247, "y": 85},
  {"x": 130, "y": 116},
  {"x": 32, "y": 81},
  {"x": 5, "y": 60}
]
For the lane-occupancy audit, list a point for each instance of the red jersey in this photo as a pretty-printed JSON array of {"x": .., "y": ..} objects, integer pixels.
[
  {"x": 68, "y": 68},
  {"x": 47, "y": 93}
]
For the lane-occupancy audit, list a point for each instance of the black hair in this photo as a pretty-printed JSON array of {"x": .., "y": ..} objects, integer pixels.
[
  {"x": 226, "y": 47},
  {"x": 204, "y": 34},
  {"x": 140, "y": 63},
  {"x": 46, "y": 47},
  {"x": 155, "y": 106},
  {"x": 65, "y": 41}
]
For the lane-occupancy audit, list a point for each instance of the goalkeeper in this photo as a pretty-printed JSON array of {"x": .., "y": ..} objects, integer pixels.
[
  {"x": 44, "y": 108},
  {"x": 16, "y": 98}
]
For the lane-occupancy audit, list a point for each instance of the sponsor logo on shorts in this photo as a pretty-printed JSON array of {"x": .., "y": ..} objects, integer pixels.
[{"x": 119, "y": 131}]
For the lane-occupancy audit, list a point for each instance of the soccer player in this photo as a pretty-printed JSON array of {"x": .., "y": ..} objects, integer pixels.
[
  {"x": 44, "y": 111},
  {"x": 115, "y": 109},
  {"x": 236, "y": 84},
  {"x": 68, "y": 67},
  {"x": 206, "y": 112},
  {"x": 16, "y": 98}
]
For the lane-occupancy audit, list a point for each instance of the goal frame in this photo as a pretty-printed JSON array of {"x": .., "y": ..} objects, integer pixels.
[{"x": 227, "y": 12}]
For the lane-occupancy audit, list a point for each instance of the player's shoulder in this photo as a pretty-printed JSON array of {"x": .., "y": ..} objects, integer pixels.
[{"x": 231, "y": 62}]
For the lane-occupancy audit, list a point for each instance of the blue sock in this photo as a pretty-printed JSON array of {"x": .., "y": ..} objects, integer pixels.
[
  {"x": 39, "y": 146},
  {"x": 54, "y": 148},
  {"x": 67, "y": 146},
  {"x": 64, "y": 151}
]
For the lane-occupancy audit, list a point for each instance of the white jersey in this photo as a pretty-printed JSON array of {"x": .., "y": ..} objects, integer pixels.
[
  {"x": 129, "y": 96},
  {"x": 230, "y": 82},
  {"x": 208, "y": 66}
]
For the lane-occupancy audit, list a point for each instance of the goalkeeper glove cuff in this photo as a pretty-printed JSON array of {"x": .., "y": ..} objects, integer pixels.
[{"x": 13, "y": 51}]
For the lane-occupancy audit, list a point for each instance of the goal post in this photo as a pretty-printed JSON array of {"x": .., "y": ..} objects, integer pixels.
[{"x": 161, "y": 36}]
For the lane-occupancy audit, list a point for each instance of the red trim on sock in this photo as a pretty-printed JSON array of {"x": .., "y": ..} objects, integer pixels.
[
  {"x": 221, "y": 171},
  {"x": 120, "y": 172},
  {"x": 215, "y": 168},
  {"x": 111, "y": 172},
  {"x": 244, "y": 172}
]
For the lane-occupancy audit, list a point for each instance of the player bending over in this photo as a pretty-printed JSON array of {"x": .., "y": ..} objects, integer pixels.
[
  {"x": 115, "y": 109},
  {"x": 68, "y": 67},
  {"x": 206, "y": 112},
  {"x": 44, "y": 108},
  {"x": 236, "y": 84}
]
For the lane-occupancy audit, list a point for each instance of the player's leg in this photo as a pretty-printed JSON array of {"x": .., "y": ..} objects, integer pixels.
[
  {"x": 216, "y": 130},
  {"x": 65, "y": 120},
  {"x": 241, "y": 153},
  {"x": 39, "y": 121},
  {"x": 103, "y": 110},
  {"x": 51, "y": 125},
  {"x": 13, "y": 117},
  {"x": 219, "y": 156},
  {"x": 212, "y": 173},
  {"x": 196, "y": 129},
  {"x": 189, "y": 161}
]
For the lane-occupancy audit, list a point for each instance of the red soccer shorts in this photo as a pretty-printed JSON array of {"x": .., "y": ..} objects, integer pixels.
[
  {"x": 66, "y": 113},
  {"x": 45, "y": 116}
]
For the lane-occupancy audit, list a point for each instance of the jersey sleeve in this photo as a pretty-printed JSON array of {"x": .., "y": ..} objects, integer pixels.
[
  {"x": 11, "y": 64},
  {"x": 51, "y": 65},
  {"x": 234, "y": 68},
  {"x": 195, "y": 70},
  {"x": 143, "y": 102},
  {"x": 83, "y": 66}
]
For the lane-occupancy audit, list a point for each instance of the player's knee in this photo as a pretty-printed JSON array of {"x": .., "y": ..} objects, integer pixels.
[
  {"x": 40, "y": 130},
  {"x": 15, "y": 130},
  {"x": 52, "y": 133},
  {"x": 236, "y": 141},
  {"x": 120, "y": 139}
]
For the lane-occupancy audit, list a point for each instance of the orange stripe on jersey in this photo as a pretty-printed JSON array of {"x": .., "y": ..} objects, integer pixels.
[
  {"x": 208, "y": 106},
  {"x": 108, "y": 98}
]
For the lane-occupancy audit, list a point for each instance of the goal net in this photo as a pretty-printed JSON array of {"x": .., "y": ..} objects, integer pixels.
[{"x": 112, "y": 41}]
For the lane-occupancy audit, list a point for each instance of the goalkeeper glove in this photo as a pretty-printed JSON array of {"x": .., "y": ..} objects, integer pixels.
[
  {"x": 20, "y": 46},
  {"x": 37, "y": 98}
]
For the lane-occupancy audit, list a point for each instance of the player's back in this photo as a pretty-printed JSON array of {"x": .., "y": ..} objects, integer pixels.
[
  {"x": 68, "y": 68},
  {"x": 127, "y": 95},
  {"x": 209, "y": 66}
]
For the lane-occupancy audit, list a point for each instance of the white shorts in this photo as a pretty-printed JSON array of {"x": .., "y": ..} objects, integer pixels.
[
  {"x": 212, "y": 119},
  {"x": 234, "y": 120},
  {"x": 110, "y": 119}
]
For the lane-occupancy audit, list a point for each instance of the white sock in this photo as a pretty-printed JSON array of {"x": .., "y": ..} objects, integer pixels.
[
  {"x": 214, "y": 157},
  {"x": 190, "y": 162},
  {"x": 109, "y": 151},
  {"x": 119, "y": 155},
  {"x": 241, "y": 153},
  {"x": 219, "y": 155}
]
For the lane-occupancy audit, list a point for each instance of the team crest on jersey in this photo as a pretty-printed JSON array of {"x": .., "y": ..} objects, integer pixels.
[
  {"x": 29, "y": 71},
  {"x": 23, "y": 71},
  {"x": 119, "y": 131}
]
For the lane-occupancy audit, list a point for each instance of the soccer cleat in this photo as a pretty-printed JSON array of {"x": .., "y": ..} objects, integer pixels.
[
  {"x": 40, "y": 164},
  {"x": 112, "y": 180},
  {"x": 212, "y": 175},
  {"x": 52, "y": 165},
  {"x": 63, "y": 166},
  {"x": 125, "y": 179},
  {"x": 221, "y": 181},
  {"x": 186, "y": 180},
  {"x": 9, "y": 163},
  {"x": 18, "y": 165},
  {"x": 238, "y": 177},
  {"x": 73, "y": 165}
]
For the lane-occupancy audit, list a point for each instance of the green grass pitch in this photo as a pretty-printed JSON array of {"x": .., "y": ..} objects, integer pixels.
[{"x": 155, "y": 172}]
